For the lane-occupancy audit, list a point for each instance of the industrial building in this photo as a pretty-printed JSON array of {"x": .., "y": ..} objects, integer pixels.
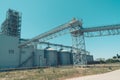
[
  {"x": 13, "y": 55},
  {"x": 9, "y": 51}
]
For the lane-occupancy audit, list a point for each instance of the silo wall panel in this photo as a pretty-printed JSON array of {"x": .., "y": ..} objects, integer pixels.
[
  {"x": 39, "y": 58},
  {"x": 65, "y": 58},
  {"x": 51, "y": 57}
]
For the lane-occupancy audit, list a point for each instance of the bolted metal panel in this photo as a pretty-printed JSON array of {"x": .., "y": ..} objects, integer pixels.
[
  {"x": 64, "y": 57},
  {"x": 51, "y": 57},
  {"x": 39, "y": 58}
]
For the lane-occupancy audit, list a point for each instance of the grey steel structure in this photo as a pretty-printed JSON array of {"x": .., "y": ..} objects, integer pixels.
[
  {"x": 12, "y": 24},
  {"x": 78, "y": 33}
]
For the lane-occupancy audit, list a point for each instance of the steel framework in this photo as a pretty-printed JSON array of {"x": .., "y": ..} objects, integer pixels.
[
  {"x": 12, "y": 24},
  {"x": 78, "y": 33},
  {"x": 58, "y": 31}
]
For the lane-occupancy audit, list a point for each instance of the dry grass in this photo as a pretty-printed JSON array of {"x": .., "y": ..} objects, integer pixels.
[{"x": 54, "y": 73}]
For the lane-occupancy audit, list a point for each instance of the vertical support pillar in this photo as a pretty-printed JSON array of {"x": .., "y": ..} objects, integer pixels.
[
  {"x": 20, "y": 55},
  {"x": 35, "y": 44},
  {"x": 78, "y": 44},
  {"x": 33, "y": 59}
]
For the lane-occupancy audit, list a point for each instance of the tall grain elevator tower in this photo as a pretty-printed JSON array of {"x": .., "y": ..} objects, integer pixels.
[{"x": 12, "y": 24}]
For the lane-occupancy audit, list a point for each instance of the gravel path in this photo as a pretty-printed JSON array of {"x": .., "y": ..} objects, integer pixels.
[{"x": 114, "y": 75}]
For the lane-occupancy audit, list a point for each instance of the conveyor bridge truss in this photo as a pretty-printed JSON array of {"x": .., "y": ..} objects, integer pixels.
[{"x": 78, "y": 33}]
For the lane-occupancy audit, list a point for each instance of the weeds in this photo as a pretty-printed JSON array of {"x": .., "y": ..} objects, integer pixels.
[{"x": 53, "y": 73}]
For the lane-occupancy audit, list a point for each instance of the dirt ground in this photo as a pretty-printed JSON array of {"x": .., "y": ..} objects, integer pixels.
[{"x": 114, "y": 75}]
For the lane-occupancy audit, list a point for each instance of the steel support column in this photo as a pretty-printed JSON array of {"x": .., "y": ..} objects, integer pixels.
[{"x": 79, "y": 53}]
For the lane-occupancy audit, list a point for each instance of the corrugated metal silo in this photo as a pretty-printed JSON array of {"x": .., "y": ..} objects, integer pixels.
[
  {"x": 51, "y": 57},
  {"x": 64, "y": 57}
]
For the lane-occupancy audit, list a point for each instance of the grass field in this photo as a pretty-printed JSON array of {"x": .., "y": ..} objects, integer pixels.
[{"x": 58, "y": 73}]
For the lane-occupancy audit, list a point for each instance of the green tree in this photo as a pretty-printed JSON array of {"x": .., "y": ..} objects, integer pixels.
[
  {"x": 114, "y": 57},
  {"x": 118, "y": 56}
]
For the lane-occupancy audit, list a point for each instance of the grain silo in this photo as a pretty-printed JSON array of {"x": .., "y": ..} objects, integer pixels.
[
  {"x": 64, "y": 57},
  {"x": 50, "y": 55}
]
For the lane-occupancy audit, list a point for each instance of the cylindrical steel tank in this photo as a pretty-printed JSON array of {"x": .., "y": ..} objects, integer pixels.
[
  {"x": 50, "y": 55},
  {"x": 64, "y": 57}
]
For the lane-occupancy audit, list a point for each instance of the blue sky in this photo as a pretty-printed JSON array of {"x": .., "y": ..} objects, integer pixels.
[{"x": 39, "y": 16}]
